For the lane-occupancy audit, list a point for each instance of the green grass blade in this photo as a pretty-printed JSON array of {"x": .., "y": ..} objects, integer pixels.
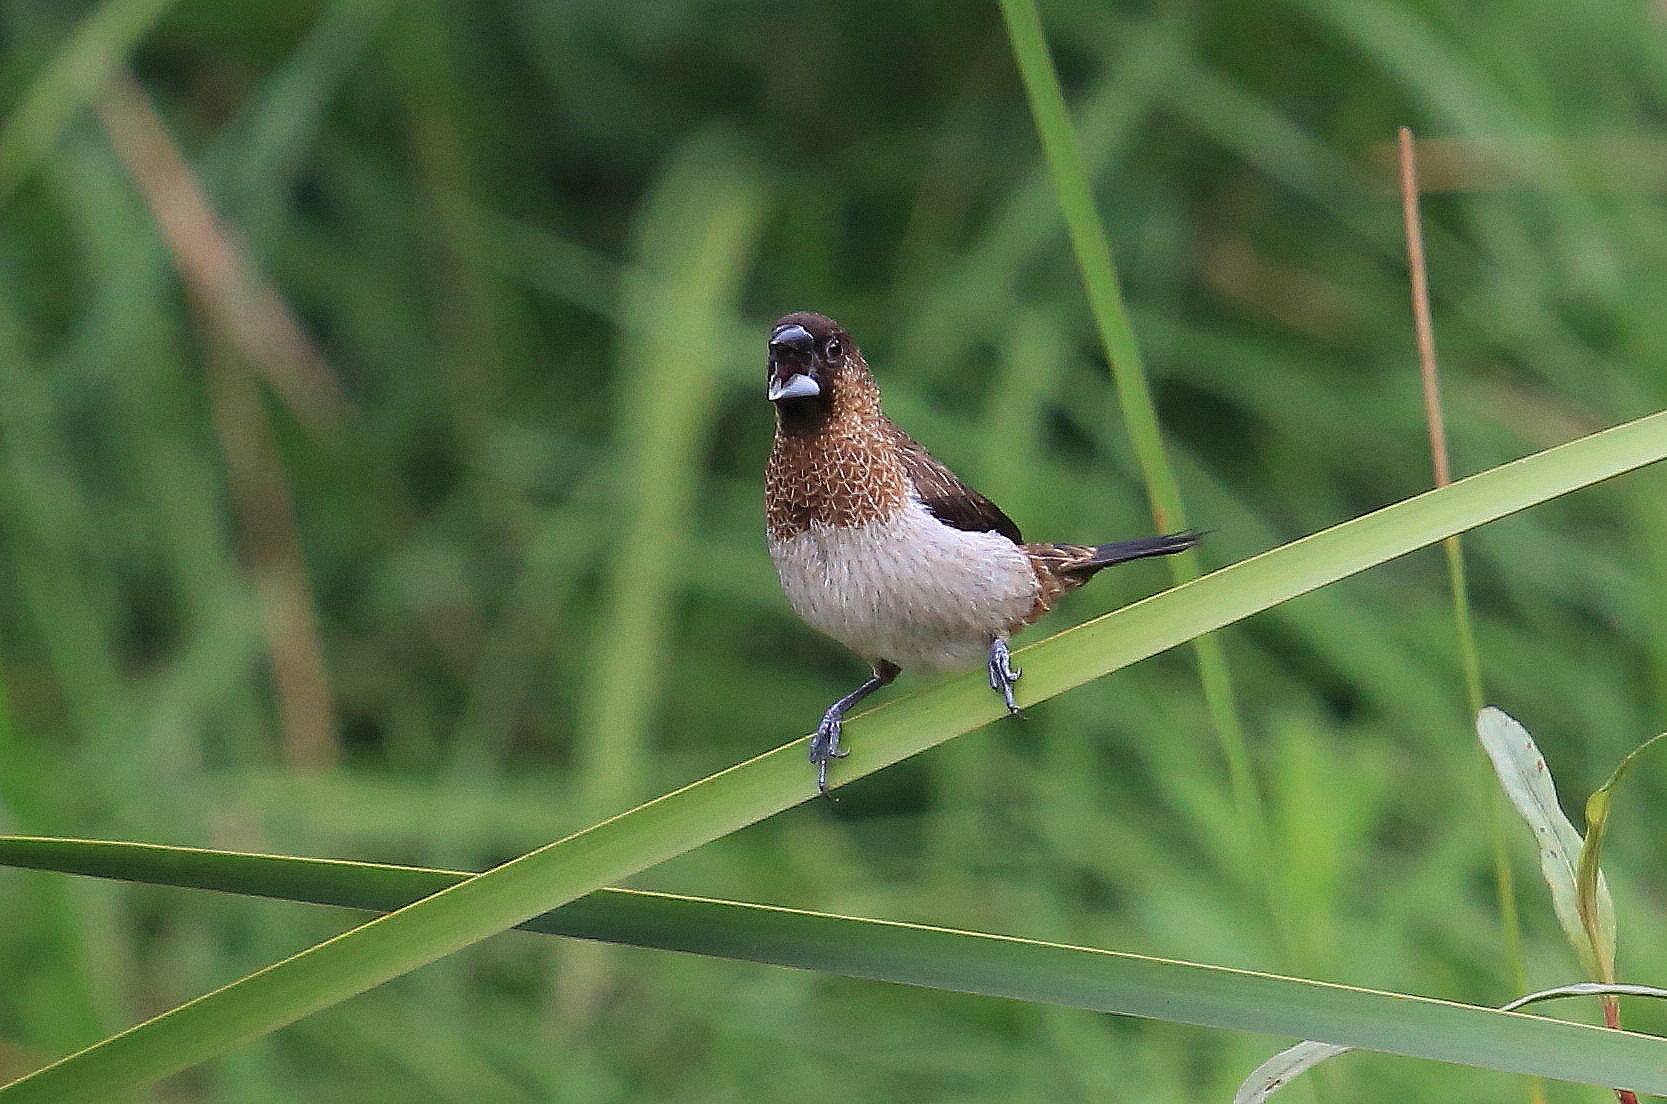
[
  {"x": 936, "y": 958},
  {"x": 1093, "y": 252},
  {"x": 1092, "y": 248},
  {"x": 541, "y": 880}
]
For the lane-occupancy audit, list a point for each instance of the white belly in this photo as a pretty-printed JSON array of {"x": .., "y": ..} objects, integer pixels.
[{"x": 910, "y": 589}]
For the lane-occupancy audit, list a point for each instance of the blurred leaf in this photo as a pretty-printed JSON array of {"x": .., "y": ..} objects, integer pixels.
[
  {"x": 695, "y": 237},
  {"x": 75, "y": 75}
]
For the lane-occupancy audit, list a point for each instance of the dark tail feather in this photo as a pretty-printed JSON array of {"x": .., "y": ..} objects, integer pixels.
[{"x": 1123, "y": 551}]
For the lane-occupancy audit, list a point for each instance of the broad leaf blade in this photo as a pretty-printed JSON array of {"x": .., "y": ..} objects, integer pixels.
[{"x": 939, "y": 958}]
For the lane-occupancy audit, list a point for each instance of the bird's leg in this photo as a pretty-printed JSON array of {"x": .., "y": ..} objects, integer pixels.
[
  {"x": 825, "y": 744},
  {"x": 1002, "y": 673}
]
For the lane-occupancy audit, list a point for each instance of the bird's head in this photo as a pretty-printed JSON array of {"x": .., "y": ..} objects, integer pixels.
[{"x": 808, "y": 355}]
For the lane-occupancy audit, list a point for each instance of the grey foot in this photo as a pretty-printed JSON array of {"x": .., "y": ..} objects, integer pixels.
[
  {"x": 824, "y": 746},
  {"x": 1002, "y": 673}
]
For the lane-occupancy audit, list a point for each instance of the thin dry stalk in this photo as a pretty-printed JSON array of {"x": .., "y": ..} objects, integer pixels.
[
  {"x": 257, "y": 322},
  {"x": 1421, "y": 320},
  {"x": 1425, "y": 329}
]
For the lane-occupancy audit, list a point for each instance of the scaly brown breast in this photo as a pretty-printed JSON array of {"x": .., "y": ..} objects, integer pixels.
[{"x": 831, "y": 478}]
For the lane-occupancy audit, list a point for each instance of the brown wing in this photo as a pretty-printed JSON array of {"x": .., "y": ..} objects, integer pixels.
[{"x": 942, "y": 492}]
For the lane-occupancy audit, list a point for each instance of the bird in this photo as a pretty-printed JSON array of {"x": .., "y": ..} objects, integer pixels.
[{"x": 886, "y": 550}]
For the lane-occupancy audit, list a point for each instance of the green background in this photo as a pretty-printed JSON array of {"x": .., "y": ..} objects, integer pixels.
[{"x": 511, "y": 515}]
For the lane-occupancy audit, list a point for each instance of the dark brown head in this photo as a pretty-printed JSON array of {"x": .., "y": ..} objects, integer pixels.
[{"x": 815, "y": 370}]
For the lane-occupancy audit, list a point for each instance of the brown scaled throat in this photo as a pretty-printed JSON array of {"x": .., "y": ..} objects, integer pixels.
[{"x": 883, "y": 548}]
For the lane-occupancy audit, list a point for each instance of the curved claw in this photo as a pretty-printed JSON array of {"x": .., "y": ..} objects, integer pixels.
[
  {"x": 1002, "y": 673},
  {"x": 824, "y": 746}
]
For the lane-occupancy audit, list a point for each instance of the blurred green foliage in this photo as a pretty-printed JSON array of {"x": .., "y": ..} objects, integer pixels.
[{"x": 491, "y": 566}]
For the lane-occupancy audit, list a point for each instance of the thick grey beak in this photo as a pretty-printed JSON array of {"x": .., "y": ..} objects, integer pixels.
[
  {"x": 791, "y": 345},
  {"x": 796, "y": 386}
]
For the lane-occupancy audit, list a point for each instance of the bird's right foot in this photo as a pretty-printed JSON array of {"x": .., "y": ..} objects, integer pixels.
[{"x": 824, "y": 746}]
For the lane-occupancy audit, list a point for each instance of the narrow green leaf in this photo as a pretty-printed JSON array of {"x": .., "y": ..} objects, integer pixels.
[
  {"x": 1092, "y": 249},
  {"x": 1526, "y": 779},
  {"x": 607, "y": 852},
  {"x": 939, "y": 958},
  {"x": 1591, "y": 894}
]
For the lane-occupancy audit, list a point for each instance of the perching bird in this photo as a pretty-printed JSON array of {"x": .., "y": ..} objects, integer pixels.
[{"x": 881, "y": 547}]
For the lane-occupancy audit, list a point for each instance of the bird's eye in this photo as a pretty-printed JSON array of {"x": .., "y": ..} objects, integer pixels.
[{"x": 832, "y": 349}]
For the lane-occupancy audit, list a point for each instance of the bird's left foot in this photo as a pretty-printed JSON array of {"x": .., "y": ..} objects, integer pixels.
[
  {"x": 1003, "y": 674},
  {"x": 824, "y": 745}
]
